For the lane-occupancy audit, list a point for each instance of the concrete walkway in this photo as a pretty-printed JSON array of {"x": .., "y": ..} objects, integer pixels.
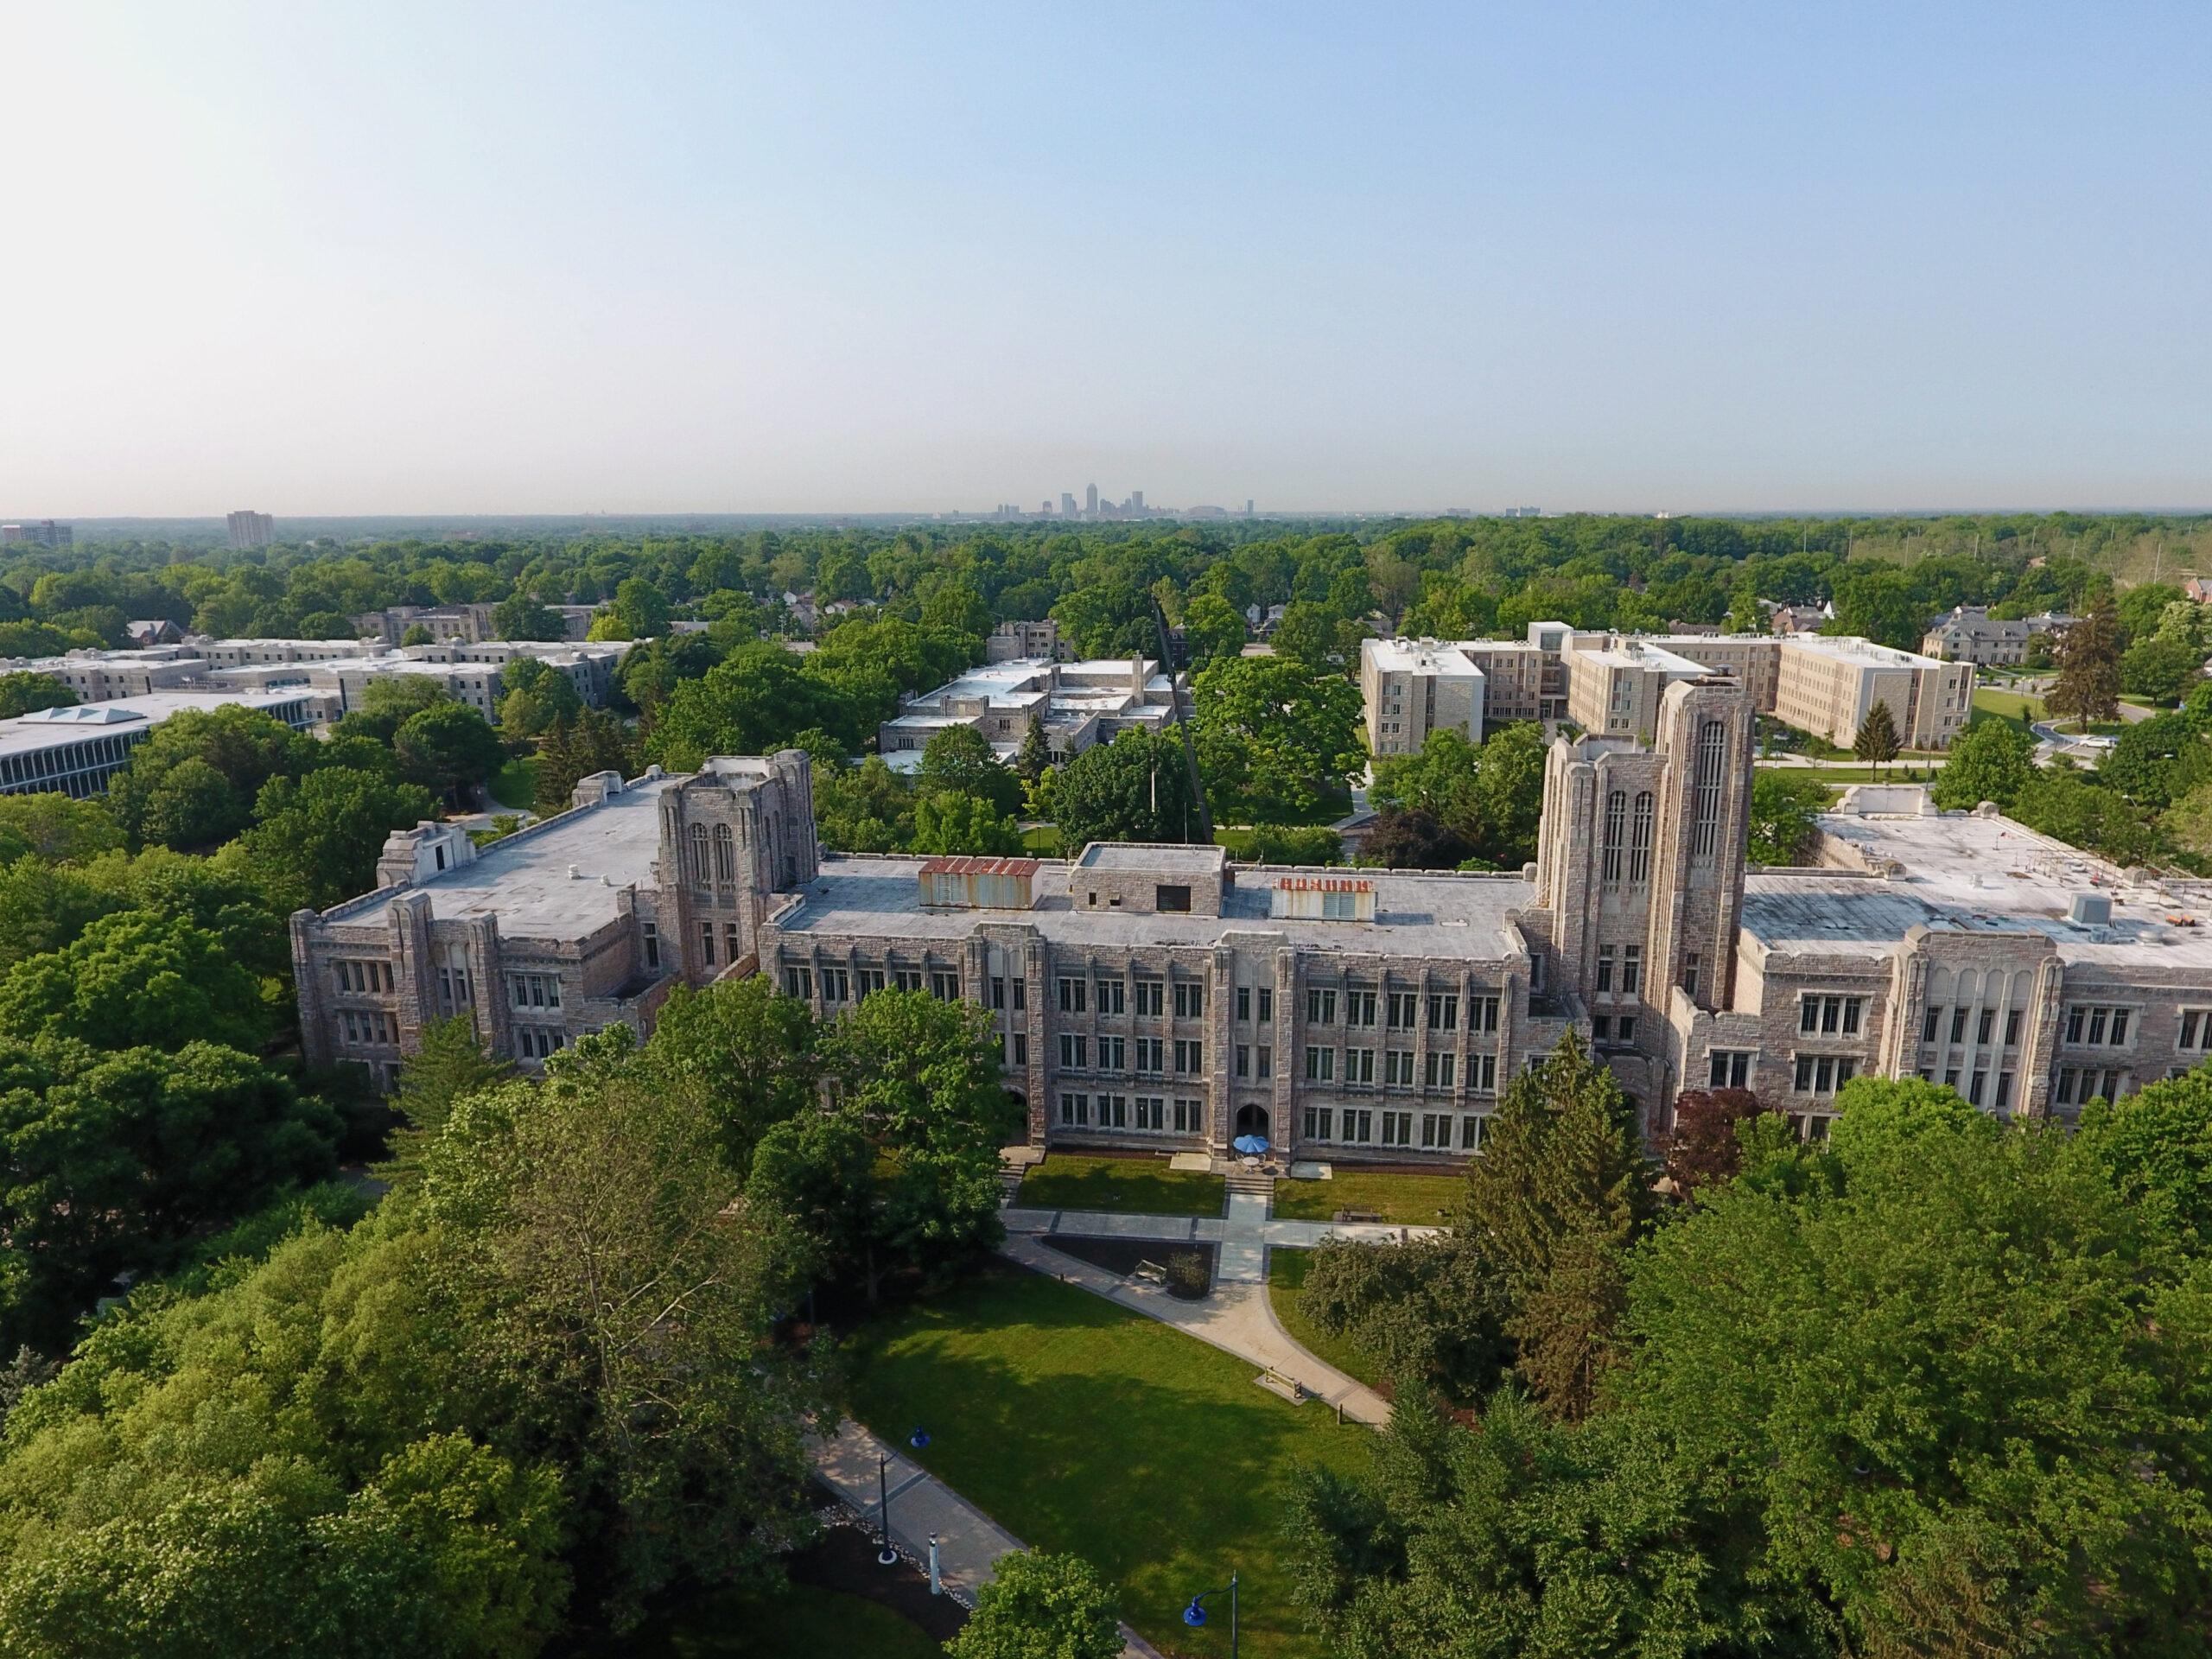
[
  {"x": 1238, "y": 1317},
  {"x": 969, "y": 1542}
]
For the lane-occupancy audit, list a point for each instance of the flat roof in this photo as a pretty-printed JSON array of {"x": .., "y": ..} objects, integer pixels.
[
  {"x": 28, "y": 734},
  {"x": 1413, "y": 657},
  {"x": 524, "y": 881},
  {"x": 1125, "y": 856},
  {"x": 1850, "y": 648},
  {"x": 1441, "y": 915},
  {"x": 1956, "y": 870}
]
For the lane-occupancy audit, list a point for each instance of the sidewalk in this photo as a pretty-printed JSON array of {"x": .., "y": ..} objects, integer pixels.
[{"x": 969, "y": 1542}]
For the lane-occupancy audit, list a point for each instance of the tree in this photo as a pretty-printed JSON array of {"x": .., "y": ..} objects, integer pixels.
[
  {"x": 1136, "y": 788},
  {"x": 136, "y": 978},
  {"x": 596, "y": 741},
  {"x": 388, "y": 703},
  {"x": 523, "y": 616},
  {"x": 1876, "y": 742},
  {"x": 225, "y": 755},
  {"x": 1041, "y": 1606},
  {"x": 1558, "y": 1196},
  {"x": 610, "y": 1282},
  {"x": 1273, "y": 738},
  {"x": 1405, "y": 839},
  {"x": 415, "y": 634},
  {"x": 1212, "y": 627},
  {"x": 1991, "y": 760},
  {"x": 642, "y": 608},
  {"x": 56, "y": 828},
  {"x": 449, "y": 1063},
  {"x": 752, "y": 1050},
  {"x": 1429, "y": 1313},
  {"x": 26, "y": 690},
  {"x": 118, "y": 1159},
  {"x": 1785, "y": 809},
  {"x": 448, "y": 750},
  {"x": 1035, "y": 753},
  {"x": 2161, "y": 668},
  {"x": 2156, "y": 761},
  {"x": 956, "y": 607},
  {"x": 655, "y": 667},
  {"x": 961, "y": 758},
  {"x": 1702, "y": 1149},
  {"x": 948, "y": 823},
  {"x": 2088, "y": 655},
  {"x": 2060, "y": 802},
  {"x": 754, "y": 701},
  {"x": 1491, "y": 795},
  {"x": 318, "y": 837},
  {"x": 536, "y": 696}
]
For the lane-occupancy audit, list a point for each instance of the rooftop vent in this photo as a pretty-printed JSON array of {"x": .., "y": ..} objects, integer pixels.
[{"x": 2090, "y": 910}]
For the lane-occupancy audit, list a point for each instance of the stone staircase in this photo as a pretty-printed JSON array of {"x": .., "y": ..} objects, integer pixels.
[{"x": 1256, "y": 1183}]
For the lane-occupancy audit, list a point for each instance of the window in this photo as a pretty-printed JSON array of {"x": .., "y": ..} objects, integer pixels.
[
  {"x": 1317, "y": 1123},
  {"x": 1625, "y": 1032},
  {"x": 1482, "y": 1014},
  {"x": 1075, "y": 1108},
  {"x": 1190, "y": 999},
  {"x": 1401, "y": 1010},
  {"x": 1111, "y": 993},
  {"x": 701, "y": 873},
  {"x": 1689, "y": 973},
  {"x": 1190, "y": 1116},
  {"x": 1245, "y": 1003},
  {"x": 1320, "y": 1007},
  {"x": 1809, "y": 1015},
  {"x": 1632, "y": 969},
  {"x": 1074, "y": 994},
  {"x": 1616, "y": 833},
  {"x": 2194, "y": 1022},
  {"x": 2012, "y": 1029},
  {"x": 1802, "y": 1079},
  {"x": 1266, "y": 1059},
  {"x": 1482, "y": 1071},
  {"x": 2065, "y": 1089},
  {"x": 1436, "y": 1130},
  {"x": 1398, "y": 1068},
  {"x": 535, "y": 990},
  {"x": 1171, "y": 898},
  {"x": 1973, "y": 1089},
  {"x": 1986, "y": 1028},
  {"x": 1113, "y": 1111},
  {"x": 1397, "y": 1128},
  {"x": 2105, "y": 1026},
  {"x": 1359, "y": 1008},
  {"x": 1443, "y": 1013},
  {"x": 729, "y": 940},
  {"x": 1605, "y": 967},
  {"x": 1929, "y": 1023},
  {"x": 1601, "y": 1027},
  {"x": 944, "y": 987},
  {"x": 537, "y": 1043},
  {"x": 1359, "y": 1126},
  {"x": 998, "y": 993},
  {"x": 1190, "y": 1056},
  {"x": 1152, "y": 1112},
  {"x": 707, "y": 943},
  {"x": 1711, "y": 755},
  {"x": 1639, "y": 846},
  {"x": 650, "y": 935},
  {"x": 1110, "y": 1054},
  {"x": 1243, "y": 1060},
  {"x": 907, "y": 979},
  {"x": 1021, "y": 1048},
  {"x": 1151, "y": 996},
  {"x": 1851, "y": 1007},
  {"x": 1266, "y": 1005},
  {"x": 1021, "y": 995},
  {"x": 725, "y": 856},
  {"x": 1437, "y": 1069},
  {"x": 869, "y": 979},
  {"x": 799, "y": 982},
  {"x": 1471, "y": 1134},
  {"x": 2004, "y": 1091},
  {"x": 1321, "y": 1064},
  {"x": 1149, "y": 1052},
  {"x": 1075, "y": 1052},
  {"x": 1731, "y": 1068},
  {"x": 1359, "y": 1065}
]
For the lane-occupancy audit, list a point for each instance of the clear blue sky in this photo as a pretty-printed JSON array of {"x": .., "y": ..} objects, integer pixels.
[{"x": 449, "y": 257}]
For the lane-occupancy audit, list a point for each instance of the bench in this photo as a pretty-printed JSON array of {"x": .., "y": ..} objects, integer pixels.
[
  {"x": 1343, "y": 1217},
  {"x": 1288, "y": 1387},
  {"x": 1151, "y": 1273}
]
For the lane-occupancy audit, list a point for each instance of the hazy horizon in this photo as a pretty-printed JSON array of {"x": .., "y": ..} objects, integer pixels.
[{"x": 487, "y": 262}]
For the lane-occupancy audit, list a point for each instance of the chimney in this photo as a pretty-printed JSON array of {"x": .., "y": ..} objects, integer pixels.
[{"x": 1136, "y": 678}]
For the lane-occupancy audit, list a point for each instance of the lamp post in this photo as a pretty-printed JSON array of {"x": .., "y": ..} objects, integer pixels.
[
  {"x": 1195, "y": 1615},
  {"x": 888, "y": 1556}
]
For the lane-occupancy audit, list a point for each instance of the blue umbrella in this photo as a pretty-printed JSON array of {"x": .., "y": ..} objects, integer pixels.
[{"x": 1252, "y": 1144}]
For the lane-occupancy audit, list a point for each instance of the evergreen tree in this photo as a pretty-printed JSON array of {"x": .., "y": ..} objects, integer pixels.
[
  {"x": 2088, "y": 669},
  {"x": 1034, "y": 756},
  {"x": 595, "y": 741},
  {"x": 1877, "y": 741}
]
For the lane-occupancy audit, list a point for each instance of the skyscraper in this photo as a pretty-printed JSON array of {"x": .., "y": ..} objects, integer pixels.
[
  {"x": 250, "y": 529},
  {"x": 1067, "y": 505},
  {"x": 1090, "y": 502}
]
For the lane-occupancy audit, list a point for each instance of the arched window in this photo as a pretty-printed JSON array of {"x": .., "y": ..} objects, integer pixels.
[
  {"x": 1616, "y": 829},
  {"x": 1712, "y": 753},
  {"x": 1639, "y": 844},
  {"x": 701, "y": 874},
  {"x": 725, "y": 854}
]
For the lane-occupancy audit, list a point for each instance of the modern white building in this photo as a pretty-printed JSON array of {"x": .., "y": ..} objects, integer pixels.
[
  {"x": 76, "y": 751},
  {"x": 1080, "y": 704}
]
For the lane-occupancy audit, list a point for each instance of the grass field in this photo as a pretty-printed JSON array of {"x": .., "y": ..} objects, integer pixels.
[
  {"x": 1139, "y": 1186},
  {"x": 515, "y": 784},
  {"x": 1286, "y": 1278},
  {"x": 1080, "y": 1426},
  {"x": 1410, "y": 1200},
  {"x": 803, "y": 1623},
  {"x": 2008, "y": 706},
  {"x": 1914, "y": 771}
]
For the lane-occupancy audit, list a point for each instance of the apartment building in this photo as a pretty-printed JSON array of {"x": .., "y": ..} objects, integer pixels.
[
  {"x": 1970, "y": 634},
  {"x": 1827, "y": 684}
]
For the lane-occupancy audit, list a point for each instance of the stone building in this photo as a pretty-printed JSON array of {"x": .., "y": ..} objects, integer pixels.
[{"x": 1163, "y": 997}]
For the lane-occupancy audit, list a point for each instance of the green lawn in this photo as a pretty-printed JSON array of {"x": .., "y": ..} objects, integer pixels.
[
  {"x": 515, "y": 784},
  {"x": 2009, "y": 706},
  {"x": 803, "y": 1623},
  {"x": 1286, "y": 1278},
  {"x": 1410, "y": 1200},
  {"x": 1140, "y": 1186},
  {"x": 1919, "y": 770},
  {"x": 1080, "y": 1426},
  {"x": 1042, "y": 842}
]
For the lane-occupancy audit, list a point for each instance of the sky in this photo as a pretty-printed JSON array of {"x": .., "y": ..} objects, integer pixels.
[{"x": 461, "y": 258}]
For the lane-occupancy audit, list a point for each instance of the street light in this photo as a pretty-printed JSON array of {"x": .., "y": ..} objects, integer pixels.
[
  {"x": 1195, "y": 1616},
  {"x": 888, "y": 1556}
]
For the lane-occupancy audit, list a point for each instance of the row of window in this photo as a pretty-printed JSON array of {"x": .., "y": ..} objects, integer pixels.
[
  {"x": 1830, "y": 1015},
  {"x": 1113, "y": 1112},
  {"x": 1075, "y": 1050},
  {"x": 534, "y": 990},
  {"x": 1439, "y": 1070},
  {"x": 2097, "y": 1027},
  {"x": 368, "y": 1026},
  {"x": 1113, "y": 996},
  {"x": 1983, "y": 1025},
  {"x": 851, "y": 985},
  {"x": 363, "y": 977},
  {"x": 1822, "y": 1074},
  {"x": 1605, "y": 1028},
  {"x": 1977, "y": 1086},
  {"x": 1401, "y": 1010},
  {"x": 537, "y": 1042},
  {"x": 2082, "y": 1086},
  {"x": 1639, "y": 847},
  {"x": 1361, "y": 1126}
]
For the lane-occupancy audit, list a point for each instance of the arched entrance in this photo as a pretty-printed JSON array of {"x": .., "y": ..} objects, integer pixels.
[{"x": 1251, "y": 1119}]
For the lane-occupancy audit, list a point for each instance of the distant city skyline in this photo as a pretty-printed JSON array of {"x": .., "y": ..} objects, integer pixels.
[{"x": 798, "y": 262}]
